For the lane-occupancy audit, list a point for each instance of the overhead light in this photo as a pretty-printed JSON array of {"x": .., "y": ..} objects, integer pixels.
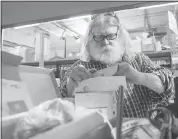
[
  {"x": 26, "y": 26},
  {"x": 70, "y": 33},
  {"x": 70, "y": 54},
  {"x": 160, "y": 5}
]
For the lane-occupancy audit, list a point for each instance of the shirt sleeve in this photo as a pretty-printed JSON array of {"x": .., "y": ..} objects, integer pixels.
[
  {"x": 63, "y": 82},
  {"x": 166, "y": 76}
]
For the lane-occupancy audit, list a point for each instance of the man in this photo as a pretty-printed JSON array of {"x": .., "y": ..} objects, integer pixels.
[{"x": 108, "y": 43}]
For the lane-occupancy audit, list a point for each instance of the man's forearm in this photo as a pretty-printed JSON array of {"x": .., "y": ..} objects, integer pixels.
[{"x": 152, "y": 81}]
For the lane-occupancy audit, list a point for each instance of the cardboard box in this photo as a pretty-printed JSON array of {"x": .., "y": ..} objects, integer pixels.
[
  {"x": 24, "y": 87},
  {"x": 13, "y": 88}
]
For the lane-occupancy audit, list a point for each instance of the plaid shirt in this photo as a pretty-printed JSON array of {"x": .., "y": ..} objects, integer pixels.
[{"x": 138, "y": 99}]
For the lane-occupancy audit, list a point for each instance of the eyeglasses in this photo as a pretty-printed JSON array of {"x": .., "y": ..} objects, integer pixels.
[
  {"x": 99, "y": 38},
  {"x": 112, "y": 36}
]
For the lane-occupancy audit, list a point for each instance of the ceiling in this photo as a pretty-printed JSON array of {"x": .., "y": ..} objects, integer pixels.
[
  {"x": 134, "y": 20},
  {"x": 28, "y": 12}
]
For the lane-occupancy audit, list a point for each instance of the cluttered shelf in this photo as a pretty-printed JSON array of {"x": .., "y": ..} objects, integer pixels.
[
  {"x": 166, "y": 54},
  {"x": 163, "y": 58}
]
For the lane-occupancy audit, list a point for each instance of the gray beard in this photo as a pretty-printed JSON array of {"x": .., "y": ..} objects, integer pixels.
[{"x": 108, "y": 58}]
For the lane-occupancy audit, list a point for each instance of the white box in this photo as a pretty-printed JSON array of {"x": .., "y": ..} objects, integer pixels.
[{"x": 99, "y": 93}]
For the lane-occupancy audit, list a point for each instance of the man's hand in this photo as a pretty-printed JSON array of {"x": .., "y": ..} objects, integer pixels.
[
  {"x": 77, "y": 75},
  {"x": 131, "y": 74}
]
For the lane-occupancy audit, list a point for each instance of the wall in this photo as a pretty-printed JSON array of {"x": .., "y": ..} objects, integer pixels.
[
  {"x": 27, "y": 38},
  {"x": 16, "y": 36},
  {"x": 72, "y": 45},
  {"x": 59, "y": 47}
]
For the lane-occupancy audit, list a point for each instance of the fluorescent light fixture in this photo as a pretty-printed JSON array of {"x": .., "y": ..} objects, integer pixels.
[
  {"x": 70, "y": 33},
  {"x": 47, "y": 30},
  {"x": 156, "y": 6},
  {"x": 70, "y": 54},
  {"x": 26, "y": 26}
]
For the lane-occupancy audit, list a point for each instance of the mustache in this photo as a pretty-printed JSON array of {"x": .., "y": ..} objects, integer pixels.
[{"x": 106, "y": 48}]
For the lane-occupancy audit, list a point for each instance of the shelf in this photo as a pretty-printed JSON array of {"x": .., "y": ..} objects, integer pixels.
[
  {"x": 166, "y": 65},
  {"x": 56, "y": 62},
  {"x": 158, "y": 54},
  {"x": 160, "y": 58}
]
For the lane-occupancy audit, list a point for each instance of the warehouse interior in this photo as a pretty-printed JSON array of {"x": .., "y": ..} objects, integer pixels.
[
  {"x": 46, "y": 38},
  {"x": 62, "y": 37}
]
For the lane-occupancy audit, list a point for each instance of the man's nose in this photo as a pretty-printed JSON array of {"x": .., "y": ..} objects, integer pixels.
[{"x": 105, "y": 41}]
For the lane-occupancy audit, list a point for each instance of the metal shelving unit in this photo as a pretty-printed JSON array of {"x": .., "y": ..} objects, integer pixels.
[
  {"x": 164, "y": 55},
  {"x": 58, "y": 65},
  {"x": 158, "y": 54},
  {"x": 61, "y": 66}
]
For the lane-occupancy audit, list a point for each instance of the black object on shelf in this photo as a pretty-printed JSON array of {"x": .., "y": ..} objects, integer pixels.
[
  {"x": 158, "y": 54},
  {"x": 166, "y": 65}
]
